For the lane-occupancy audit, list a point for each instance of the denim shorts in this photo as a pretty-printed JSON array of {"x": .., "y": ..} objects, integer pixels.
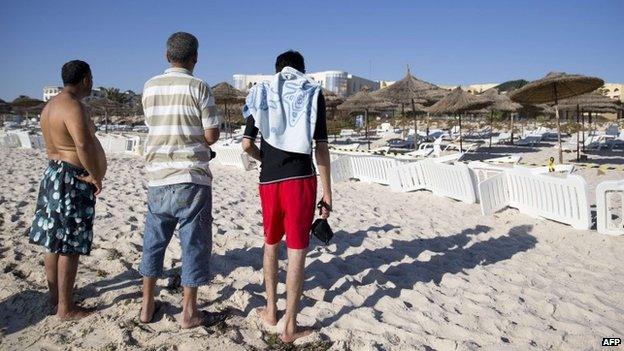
[{"x": 190, "y": 206}]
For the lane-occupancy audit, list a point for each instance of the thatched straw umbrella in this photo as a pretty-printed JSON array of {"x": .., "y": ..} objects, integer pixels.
[
  {"x": 458, "y": 102},
  {"x": 501, "y": 103},
  {"x": 553, "y": 87},
  {"x": 226, "y": 94},
  {"x": 5, "y": 107},
  {"x": 103, "y": 104},
  {"x": 365, "y": 101},
  {"x": 411, "y": 91},
  {"x": 590, "y": 102},
  {"x": 332, "y": 100},
  {"x": 26, "y": 104}
]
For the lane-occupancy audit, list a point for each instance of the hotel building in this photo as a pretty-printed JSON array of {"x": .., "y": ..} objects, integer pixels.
[
  {"x": 50, "y": 91},
  {"x": 340, "y": 82}
]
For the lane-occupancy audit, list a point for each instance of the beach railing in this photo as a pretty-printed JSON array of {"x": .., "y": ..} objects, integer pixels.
[
  {"x": 610, "y": 207},
  {"x": 232, "y": 155},
  {"x": 563, "y": 200}
]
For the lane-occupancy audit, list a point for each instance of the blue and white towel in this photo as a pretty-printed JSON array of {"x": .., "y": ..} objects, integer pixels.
[{"x": 285, "y": 110}]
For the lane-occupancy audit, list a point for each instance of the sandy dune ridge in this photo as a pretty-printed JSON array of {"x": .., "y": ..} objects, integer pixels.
[{"x": 404, "y": 272}]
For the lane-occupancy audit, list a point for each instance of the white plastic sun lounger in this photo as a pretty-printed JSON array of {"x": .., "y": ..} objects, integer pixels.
[
  {"x": 232, "y": 155},
  {"x": 563, "y": 200},
  {"x": 452, "y": 181},
  {"x": 530, "y": 140}
]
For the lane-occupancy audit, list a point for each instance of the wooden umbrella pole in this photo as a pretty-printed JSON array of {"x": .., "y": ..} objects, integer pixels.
[
  {"x": 227, "y": 120},
  {"x": 415, "y": 123},
  {"x": 511, "y": 127},
  {"x": 491, "y": 128},
  {"x": 105, "y": 121},
  {"x": 558, "y": 124},
  {"x": 366, "y": 127},
  {"x": 583, "y": 128},
  {"x": 428, "y": 121},
  {"x": 578, "y": 151},
  {"x": 461, "y": 149},
  {"x": 403, "y": 119}
]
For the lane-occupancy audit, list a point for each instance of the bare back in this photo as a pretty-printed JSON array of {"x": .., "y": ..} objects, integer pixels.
[{"x": 61, "y": 110}]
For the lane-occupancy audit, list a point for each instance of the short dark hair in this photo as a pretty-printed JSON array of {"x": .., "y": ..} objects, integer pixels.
[
  {"x": 290, "y": 58},
  {"x": 74, "y": 72},
  {"x": 181, "y": 47}
]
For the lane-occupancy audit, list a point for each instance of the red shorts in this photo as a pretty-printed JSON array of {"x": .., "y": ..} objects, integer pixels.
[{"x": 288, "y": 207}]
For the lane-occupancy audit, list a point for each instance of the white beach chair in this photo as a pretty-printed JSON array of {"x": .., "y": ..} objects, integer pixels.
[
  {"x": 613, "y": 130},
  {"x": 232, "y": 155},
  {"x": 23, "y": 138},
  {"x": 501, "y": 138},
  {"x": 529, "y": 140},
  {"x": 563, "y": 200}
]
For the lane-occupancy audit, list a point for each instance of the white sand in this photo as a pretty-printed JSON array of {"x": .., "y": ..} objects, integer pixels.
[{"x": 405, "y": 271}]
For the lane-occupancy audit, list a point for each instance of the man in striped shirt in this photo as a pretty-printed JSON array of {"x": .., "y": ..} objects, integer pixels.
[{"x": 183, "y": 122}]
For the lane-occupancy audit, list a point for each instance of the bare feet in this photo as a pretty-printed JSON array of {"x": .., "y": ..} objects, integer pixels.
[
  {"x": 148, "y": 310},
  {"x": 202, "y": 318},
  {"x": 289, "y": 337},
  {"x": 267, "y": 317},
  {"x": 52, "y": 309},
  {"x": 75, "y": 313}
]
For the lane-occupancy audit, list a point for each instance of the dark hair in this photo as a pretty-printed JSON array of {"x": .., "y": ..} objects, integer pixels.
[
  {"x": 74, "y": 72},
  {"x": 181, "y": 47},
  {"x": 290, "y": 58}
]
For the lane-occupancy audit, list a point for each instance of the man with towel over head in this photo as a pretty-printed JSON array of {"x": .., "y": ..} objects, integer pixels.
[{"x": 289, "y": 112}]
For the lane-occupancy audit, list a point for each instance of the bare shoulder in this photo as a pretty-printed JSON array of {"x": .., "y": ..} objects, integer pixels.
[{"x": 68, "y": 107}]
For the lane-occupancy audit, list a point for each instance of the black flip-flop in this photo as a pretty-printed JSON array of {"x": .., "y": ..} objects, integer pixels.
[{"x": 157, "y": 307}]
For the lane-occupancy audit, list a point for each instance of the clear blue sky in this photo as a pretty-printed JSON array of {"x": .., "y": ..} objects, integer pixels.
[{"x": 445, "y": 42}]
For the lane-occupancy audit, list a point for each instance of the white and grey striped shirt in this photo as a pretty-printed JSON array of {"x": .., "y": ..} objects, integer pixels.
[{"x": 178, "y": 108}]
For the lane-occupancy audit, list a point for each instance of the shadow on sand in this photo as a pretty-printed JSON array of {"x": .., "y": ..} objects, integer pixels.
[{"x": 396, "y": 263}]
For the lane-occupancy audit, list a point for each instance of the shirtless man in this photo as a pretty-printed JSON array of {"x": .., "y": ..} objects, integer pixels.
[{"x": 63, "y": 222}]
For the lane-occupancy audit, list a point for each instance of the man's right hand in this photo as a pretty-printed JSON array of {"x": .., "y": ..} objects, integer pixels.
[{"x": 96, "y": 183}]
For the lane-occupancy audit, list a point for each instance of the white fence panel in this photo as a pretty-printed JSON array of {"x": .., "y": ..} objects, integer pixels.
[
  {"x": 493, "y": 194},
  {"x": 610, "y": 207},
  {"x": 452, "y": 181},
  {"x": 563, "y": 200}
]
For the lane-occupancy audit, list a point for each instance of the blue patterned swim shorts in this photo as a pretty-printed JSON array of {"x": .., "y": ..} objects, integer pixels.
[{"x": 63, "y": 221}]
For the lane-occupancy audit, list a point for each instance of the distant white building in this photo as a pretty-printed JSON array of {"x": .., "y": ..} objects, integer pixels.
[
  {"x": 50, "y": 91},
  {"x": 614, "y": 91},
  {"x": 340, "y": 82}
]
